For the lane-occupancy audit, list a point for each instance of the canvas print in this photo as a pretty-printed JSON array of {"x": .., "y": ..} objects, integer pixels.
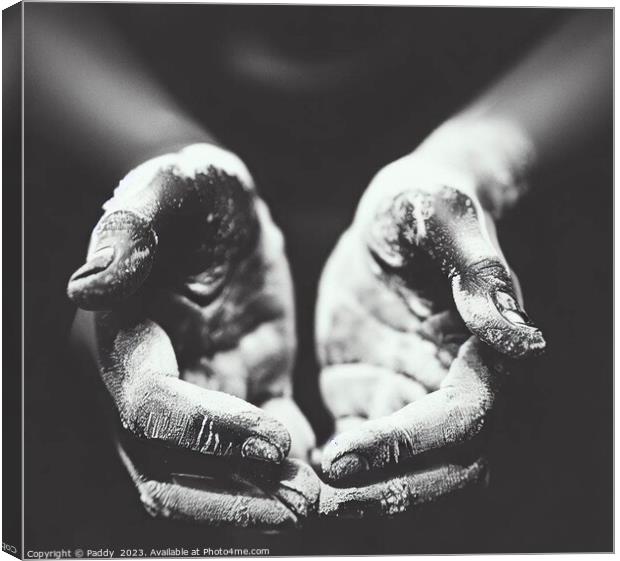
[{"x": 307, "y": 280}]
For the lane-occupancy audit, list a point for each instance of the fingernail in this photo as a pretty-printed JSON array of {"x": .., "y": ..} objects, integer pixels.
[
  {"x": 259, "y": 449},
  {"x": 516, "y": 317},
  {"x": 510, "y": 309},
  {"x": 98, "y": 262},
  {"x": 348, "y": 465},
  {"x": 531, "y": 341}
]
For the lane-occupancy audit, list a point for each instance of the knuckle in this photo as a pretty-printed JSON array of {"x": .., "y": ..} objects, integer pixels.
[{"x": 488, "y": 268}]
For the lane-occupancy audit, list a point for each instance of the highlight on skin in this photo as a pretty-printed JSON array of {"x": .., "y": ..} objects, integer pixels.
[
  {"x": 196, "y": 346},
  {"x": 202, "y": 358}
]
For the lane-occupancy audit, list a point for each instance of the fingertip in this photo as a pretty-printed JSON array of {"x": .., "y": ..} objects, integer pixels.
[
  {"x": 259, "y": 449},
  {"x": 530, "y": 343},
  {"x": 340, "y": 461},
  {"x": 270, "y": 441},
  {"x": 513, "y": 340},
  {"x": 346, "y": 466},
  {"x": 82, "y": 280},
  {"x": 119, "y": 261},
  {"x": 327, "y": 458},
  {"x": 496, "y": 318}
]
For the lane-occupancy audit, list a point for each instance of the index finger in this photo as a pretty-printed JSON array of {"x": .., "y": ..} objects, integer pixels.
[
  {"x": 139, "y": 368},
  {"x": 455, "y": 413},
  {"x": 200, "y": 200}
]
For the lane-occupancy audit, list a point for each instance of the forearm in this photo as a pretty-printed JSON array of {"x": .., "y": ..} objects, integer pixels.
[
  {"x": 561, "y": 92},
  {"x": 547, "y": 106},
  {"x": 93, "y": 96}
]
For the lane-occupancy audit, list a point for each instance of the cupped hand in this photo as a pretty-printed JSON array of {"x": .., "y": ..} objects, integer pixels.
[
  {"x": 191, "y": 305},
  {"x": 418, "y": 318}
]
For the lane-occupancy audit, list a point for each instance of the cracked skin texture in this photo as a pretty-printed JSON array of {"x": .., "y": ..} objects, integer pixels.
[
  {"x": 229, "y": 494},
  {"x": 191, "y": 311},
  {"x": 417, "y": 316},
  {"x": 208, "y": 306}
]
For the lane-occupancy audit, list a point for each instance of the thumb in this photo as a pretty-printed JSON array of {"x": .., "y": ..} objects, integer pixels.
[
  {"x": 450, "y": 226},
  {"x": 119, "y": 259},
  {"x": 156, "y": 197},
  {"x": 124, "y": 241}
]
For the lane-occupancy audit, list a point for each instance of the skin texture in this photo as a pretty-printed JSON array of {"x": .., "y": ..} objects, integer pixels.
[
  {"x": 183, "y": 353},
  {"x": 191, "y": 322},
  {"x": 219, "y": 491},
  {"x": 418, "y": 318},
  {"x": 401, "y": 493}
]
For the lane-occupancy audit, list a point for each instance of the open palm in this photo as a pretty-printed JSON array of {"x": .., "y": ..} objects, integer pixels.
[
  {"x": 194, "y": 321},
  {"x": 416, "y": 310}
]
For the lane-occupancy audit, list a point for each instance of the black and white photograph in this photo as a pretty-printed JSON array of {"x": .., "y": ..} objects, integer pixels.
[{"x": 307, "y": 279}]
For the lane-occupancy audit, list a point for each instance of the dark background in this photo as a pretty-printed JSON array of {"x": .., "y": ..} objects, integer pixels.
[{"x": 312, "y": 149}]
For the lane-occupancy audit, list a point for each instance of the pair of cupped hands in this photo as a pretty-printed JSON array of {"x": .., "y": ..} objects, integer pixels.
[{"x": 187, "y": 290}]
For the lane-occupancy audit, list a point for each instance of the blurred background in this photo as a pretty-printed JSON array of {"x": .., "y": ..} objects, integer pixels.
[{"x": 316, "y": 100}]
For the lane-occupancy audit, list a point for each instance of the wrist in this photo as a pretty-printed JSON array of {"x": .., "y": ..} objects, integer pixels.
[{"x": 491, "y": 159}]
